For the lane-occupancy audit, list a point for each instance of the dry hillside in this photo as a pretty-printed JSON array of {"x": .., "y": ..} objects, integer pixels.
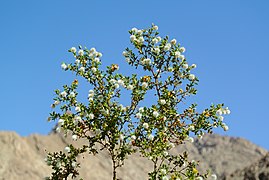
[{"x": 23, "y": 157}]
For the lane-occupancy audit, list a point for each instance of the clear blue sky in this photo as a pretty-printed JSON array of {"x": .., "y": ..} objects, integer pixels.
[{"x": 228, "y": 40}]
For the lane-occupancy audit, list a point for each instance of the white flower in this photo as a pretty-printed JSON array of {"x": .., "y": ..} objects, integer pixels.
[
  {"x": 214, "y": 176},
  {"x": 182, "y": 49},
  {"x": 191, "y": 77},
  {"x": 91, "y": 93},
  {"x": 177, "y": 54},
  {"x": 77, "y": 61},
  {"x": 116, "y": 85},
  {"x": 56, "y": 102},
  {"x": 91, "y": 116},
  {"x": 93, "y": 69},
  {"x": 74, "y": 137},
  {"x": 74, "y": 164},
  {"x": 145, "y": 125},
  {"x": 81, "y": 52},
  {"x": 165, "y": 178},
  {"x": 97, "y": 60},
  {"x": 155, "y": 40},
  {"x": 141, "y": 109},
  {"x": 128, "y": 60},
  {"x": 163, "y": 171},
  {"x": 92, "y": 50},
  {"x": 146, "y": 61},
  {"x": 130, "y": 87},
  {"x": 221, "y": 118},
  {"x": 173, "y": 41},
  {"x": 125, "y": 54},
  {"x": 171, "y": 145},
  {"x": 191, "y": 127},
  {"x": 99, "y": 54},
  {"x": 162, "y": 101},
  {"x": 121, "y": 82},
  {"x": 61, "y": 122},
  {"x": 64, "y": 66},
  {"x": 167, "y": 47},
  {"x": 155, "y": 27},
  {"x": 133, "y": 137},
  {"x": 150, "y": 137},
  {"x": 82, "y": 69},
  {"x": 199, "y": 178},
  {"x": 96, "y": 53},
  {"x": 138, "y": 115},
  {"x": 182, "y": 57},
  {"x": 112, "y": 81},
  {"x": 190, "y": 139},
  {"x": 72, "y": 94},
  {"x": 63, "y": 94},
  {"x": 193, "y": 66},
  {"x": 73, "y": 49},
  {"x": 134, "y": 30},
  {"x": 226, "y": 111},
  {"x": 141, "y": 39},
  {"x": 159, "y": 38},
  {"x": 67, "y": 149},
  {"x": 139, "y": 32},
  {"x": 155, "y": 114},
  {"x": 77, "y": 109},
  {"x": 156, "y": 50},
  {"x": 219, "y": 112},
  {"x": 165, "y": 153},
  {"x": 133, "y": 38},
  {"x": 144, "y": 85},
  {"x": 225, "y": 127},
  {"x": 185, "y": 66},
  {"x": 90, "y": 55}
]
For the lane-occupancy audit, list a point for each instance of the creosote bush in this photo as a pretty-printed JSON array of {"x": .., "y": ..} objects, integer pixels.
[{"x": 152, "y": 131}]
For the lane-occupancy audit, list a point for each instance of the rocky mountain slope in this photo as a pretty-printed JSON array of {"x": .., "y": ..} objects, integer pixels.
[
  {"x": 23, "y": 158},
  {"x": 258, "y": 170}
]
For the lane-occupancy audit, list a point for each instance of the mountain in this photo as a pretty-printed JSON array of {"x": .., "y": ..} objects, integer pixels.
[
  {"x": 23, "y": 157},
  {"x": 257, "y": 170}
]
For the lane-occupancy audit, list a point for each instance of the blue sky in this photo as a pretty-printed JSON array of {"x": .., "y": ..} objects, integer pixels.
[{"x": 228, "y": 40}]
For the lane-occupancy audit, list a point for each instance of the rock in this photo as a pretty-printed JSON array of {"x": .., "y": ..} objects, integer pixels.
[
  {"x": 257, "y": 170},
  {"x": 23, "y": 157}
]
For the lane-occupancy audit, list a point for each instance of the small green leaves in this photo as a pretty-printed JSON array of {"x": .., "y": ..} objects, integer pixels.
[{"x": 122, "y": 130}]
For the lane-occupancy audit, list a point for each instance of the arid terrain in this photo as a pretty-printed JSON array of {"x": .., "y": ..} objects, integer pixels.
[{"x": 230, "y": 158}]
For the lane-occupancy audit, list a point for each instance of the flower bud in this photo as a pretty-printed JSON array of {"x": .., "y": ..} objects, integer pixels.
[
  {"x": 145, "y": 125},
  {"x": 173, "y": 41},
  {"x": 73, "y": 49},
  {"x": 64, "y": 66},
  {"x": 67, "y": 149},
  {"x": 81, "y": 52},
  {"x": 155, "y": 27}
]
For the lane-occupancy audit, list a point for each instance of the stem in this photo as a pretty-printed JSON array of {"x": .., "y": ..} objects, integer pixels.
[{"x": 114, "y": 167}]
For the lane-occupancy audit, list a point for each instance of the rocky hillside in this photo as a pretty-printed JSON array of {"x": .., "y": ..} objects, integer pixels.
[
  {"x": 23, "y": 158},
  {"x": 258, "y": 170}
]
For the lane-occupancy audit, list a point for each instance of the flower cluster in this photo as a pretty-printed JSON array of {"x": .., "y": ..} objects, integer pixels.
[{"x": 122, "y": 130}]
